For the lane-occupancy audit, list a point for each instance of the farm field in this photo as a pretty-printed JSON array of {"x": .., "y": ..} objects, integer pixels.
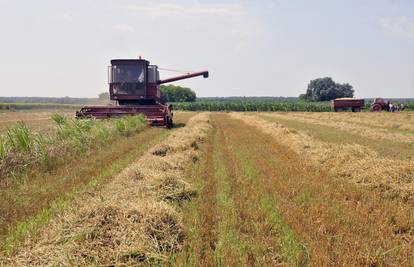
[
  {"x": 229, "y": 189},
  {"x": 38, "y": 121}
]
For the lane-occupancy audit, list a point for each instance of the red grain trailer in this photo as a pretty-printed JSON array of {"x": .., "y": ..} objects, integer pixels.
[{"x": 340, "y": 104}]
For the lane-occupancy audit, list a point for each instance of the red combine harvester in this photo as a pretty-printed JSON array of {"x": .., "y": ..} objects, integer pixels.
[{"x": 135, "y": 85}]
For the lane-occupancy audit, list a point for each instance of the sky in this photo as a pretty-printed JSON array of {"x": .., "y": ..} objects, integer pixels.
[{"x": 251, "y": 48}]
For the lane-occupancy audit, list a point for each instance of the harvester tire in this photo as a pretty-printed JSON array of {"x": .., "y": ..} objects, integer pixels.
[
  {"x": 376, "y": 108},
  {"x": 169, "y": 123}
]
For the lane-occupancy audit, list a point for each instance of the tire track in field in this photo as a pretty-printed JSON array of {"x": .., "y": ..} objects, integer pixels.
[
  {"x": 237, "y": 225},
  {"x": 209, "y": 219},
  {"x": 218, "y": 241},
  {"x": 267, "y": 239},
  {"x": 200, "y": 215}
]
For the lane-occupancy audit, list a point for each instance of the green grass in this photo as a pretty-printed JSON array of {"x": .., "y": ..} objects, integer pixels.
[
  {"x": 193, "y": 234},
  {"x": 19, "y": 138},
  {"x": 229, "y": 241},
  {"x": 291, "y": 250},
  {"x": 20, "y": 149}
]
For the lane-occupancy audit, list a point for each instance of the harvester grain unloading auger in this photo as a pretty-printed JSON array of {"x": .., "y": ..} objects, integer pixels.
[{"x": 135, "y": 85}]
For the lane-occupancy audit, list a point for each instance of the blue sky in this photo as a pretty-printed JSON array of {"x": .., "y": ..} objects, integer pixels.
[{"x": 251, "y": 48}]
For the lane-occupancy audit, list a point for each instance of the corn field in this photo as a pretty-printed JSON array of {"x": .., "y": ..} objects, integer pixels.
[
  {"x": 263, "y": 105},
  {"x": 237, "y": 105}
]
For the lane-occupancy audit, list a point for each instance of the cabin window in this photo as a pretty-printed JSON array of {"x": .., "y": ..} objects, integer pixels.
[{"x": 130, "y": 73}]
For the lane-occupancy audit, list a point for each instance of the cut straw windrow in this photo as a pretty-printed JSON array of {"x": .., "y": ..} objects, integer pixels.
[{"x": 353, "y": 162}]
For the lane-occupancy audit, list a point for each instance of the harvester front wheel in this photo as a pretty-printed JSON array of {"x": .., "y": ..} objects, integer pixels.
[{"x": 169, "y": 123}]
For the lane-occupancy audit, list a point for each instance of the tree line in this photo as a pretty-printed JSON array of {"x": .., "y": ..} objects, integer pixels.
[{"x": 174, "y": 93}]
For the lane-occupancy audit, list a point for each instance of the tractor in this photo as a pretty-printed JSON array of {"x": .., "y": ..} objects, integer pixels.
[{"x": 380, "y": 104}]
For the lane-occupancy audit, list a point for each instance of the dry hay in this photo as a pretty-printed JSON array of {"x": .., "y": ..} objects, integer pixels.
[
  {"x": 353, "y": 162},
  {"x": 355, "y": 126},
  {"x": 131, "y": 220},
  {"x": 391, "y": 120}
]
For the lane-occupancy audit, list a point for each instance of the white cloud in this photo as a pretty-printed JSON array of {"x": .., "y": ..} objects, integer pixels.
[
  {"x": 124, "y": 28},
  {"x": 400, "y": 27},
  {"x": 183, "y": 10}
]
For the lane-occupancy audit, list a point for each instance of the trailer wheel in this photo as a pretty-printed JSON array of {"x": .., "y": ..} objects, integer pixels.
[{"x": 356, "y": 109}]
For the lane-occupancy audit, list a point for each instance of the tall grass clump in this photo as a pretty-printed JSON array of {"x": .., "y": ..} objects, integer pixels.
[
  {"x": 21, "y": 150},
  {"x": 2, "y": 147},
  {"x": 80, "y": 133},
  {"x": 130, "y": 124},
  {"x": 59, "y": 119},
  {"x": 20, "y": 138}
]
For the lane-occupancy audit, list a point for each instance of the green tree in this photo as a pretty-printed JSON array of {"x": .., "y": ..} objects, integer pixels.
[
  {"x": 173, "y": 93},
  {"x": 324, "y": 89},
  {"x": 303, "y": 97},
  {"x": 104, "y": 96}
]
